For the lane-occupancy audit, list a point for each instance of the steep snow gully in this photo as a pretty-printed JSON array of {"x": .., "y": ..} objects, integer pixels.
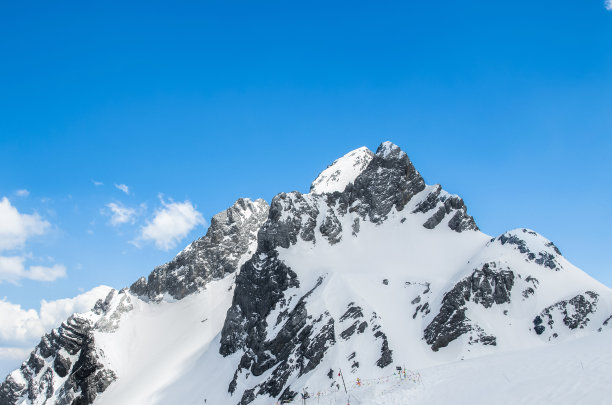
[{"x": 370, "y": 271}]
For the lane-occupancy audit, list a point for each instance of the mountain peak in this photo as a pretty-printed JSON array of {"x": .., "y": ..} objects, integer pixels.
[
  {"x": 388, "y": 149},
  {"x": 342, "y": 172}
]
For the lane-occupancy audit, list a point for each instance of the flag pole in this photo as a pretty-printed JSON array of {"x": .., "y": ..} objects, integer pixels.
[{"x": 342, "y": 375}]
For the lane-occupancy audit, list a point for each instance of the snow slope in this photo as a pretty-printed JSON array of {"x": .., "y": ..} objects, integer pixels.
[
  {"x": 157, "y": 341},
  {"x": 568, "y": 373},
  {"x": 342, "y": 172}
]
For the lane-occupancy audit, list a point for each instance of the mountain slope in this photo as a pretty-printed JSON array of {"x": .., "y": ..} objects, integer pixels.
[
  {"x": 371, "y": 270},
  {"x": 76, "y": 362}
]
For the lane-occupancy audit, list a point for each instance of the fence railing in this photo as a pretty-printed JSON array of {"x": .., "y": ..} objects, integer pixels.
[{"x": 398, "y": 378}]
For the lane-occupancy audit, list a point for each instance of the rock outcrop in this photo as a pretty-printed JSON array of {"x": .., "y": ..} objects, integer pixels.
[{"x": 230, "y": 239}]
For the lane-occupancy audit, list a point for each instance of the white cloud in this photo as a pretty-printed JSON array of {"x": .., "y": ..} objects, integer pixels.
[
  {"x": 170, "y": 224},
  {"x": 123, "y": 188},
  {"x": 16, "y": 228},
  {"x": 97, "y": 183},
  {"x": 12, "y": 269},
  {"x": 120, "y": 214},
  {"x": 21, "y": 329},
  {"x": 52, "y": 313},
  {"x": 44, "y": 273},
  {"x": 22, "y": 193},
  {"x": 608, "y": 5},
  {"x": 26, "y": 326},
  {"x": 18, "y": 325}
]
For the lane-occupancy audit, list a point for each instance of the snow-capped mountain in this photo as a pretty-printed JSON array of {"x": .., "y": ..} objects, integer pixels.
[{"x": 371, "y": 270}]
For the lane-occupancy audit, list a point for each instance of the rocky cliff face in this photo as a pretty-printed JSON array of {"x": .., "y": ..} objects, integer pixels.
[{"x": 64, "y": 368}]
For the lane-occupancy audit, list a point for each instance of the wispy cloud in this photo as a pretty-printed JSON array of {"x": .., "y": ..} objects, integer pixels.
[
  {"x": 44, "y": 273},
  {"x": 97, "y": 183},
  {"x": 123, "y": 188},
  {"x": 13, "y": 269},
  {"x": 608, "y": 5},
  {"x": 22, "y": 193},
  {"x": 170, "y": 224},
  {"x": 120, "y": 214},
  {"x": 16, "y": 228}
]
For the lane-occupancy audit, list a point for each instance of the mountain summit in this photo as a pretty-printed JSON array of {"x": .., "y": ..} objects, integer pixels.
[{"x": 371, "y": 270}]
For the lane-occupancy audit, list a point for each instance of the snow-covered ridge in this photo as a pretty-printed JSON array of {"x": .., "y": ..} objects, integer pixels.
[
  {"x": 342, "y": 172},
  {"x": 371, "y": 270}
]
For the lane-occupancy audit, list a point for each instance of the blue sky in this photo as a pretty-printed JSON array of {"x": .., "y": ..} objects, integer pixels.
[{"x": 192, "y": 105}]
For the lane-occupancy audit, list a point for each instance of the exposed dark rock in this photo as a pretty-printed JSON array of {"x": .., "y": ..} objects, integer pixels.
[
  {"x": 35, "y": 363},
  {"x": 482, "y": 338},
  {"x": 389, "y": 181},
  {"x": 62, "y": 365},
  {"x": 386, "y": 357},
  {"x": 423, "y": 308},
  {"x": 430, "y": 202},
  {"x": 230, "y": 236},
  {"x": 356, "y": 226},
  {"x": 102, "y": 306},
  {"x": 460, "y": 221},
  {"x": 331, "y": 228},
  {"x": 11, "y": 391},
  {"x": 538, "y": 327},
  {"x": 574, "y": 313},
  {"x": 547, "y": 260},
  {"x": 348, "y": 332},
  {"x": 306, "y": 342},
  {"x": 485, "y": 287},
  {"x": 80, "y": 383},
  {"x": 353, "y": 312},
  {"x": 543, "y": 258},
  {"x": 528, "y": 291}
]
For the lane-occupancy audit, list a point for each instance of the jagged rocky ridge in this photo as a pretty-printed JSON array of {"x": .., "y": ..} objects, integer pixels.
[
  {"x": 371, "y": 269},
  {"x": 229, "y": 239},
  {"x": 389, "y": 181},
  {"x": 64, "y": 368},
  {"x": 68, "y": 368}
]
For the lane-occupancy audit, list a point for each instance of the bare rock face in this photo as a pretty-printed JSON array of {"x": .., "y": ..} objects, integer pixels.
[
  {"x": 546, "y": 256},
  {"x": 442, "y": 205},
  {"x": 232, "y": 235},
  {"x": 572, "y": 314},
  {"x": 50, "y": 374},
  {"x": 486, "y": 286}
]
